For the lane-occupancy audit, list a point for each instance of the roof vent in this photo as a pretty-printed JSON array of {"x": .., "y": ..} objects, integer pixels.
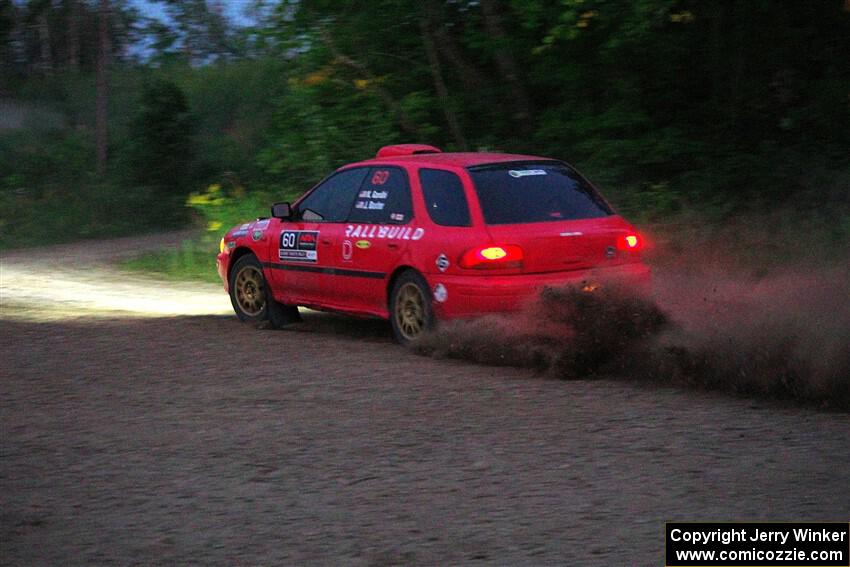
[{"x": 406, "y": 150}]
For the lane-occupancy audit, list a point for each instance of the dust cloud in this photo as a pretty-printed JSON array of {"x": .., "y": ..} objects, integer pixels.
[{"x": 783, "y": 334}]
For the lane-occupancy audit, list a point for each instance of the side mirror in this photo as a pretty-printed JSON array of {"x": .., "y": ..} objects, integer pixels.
[{"x": 281, "y": 211}]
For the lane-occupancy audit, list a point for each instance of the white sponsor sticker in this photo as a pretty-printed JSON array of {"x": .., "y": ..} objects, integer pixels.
[
  {"x": 441, "y": 294},
  {"x": 525, "y": 172}
]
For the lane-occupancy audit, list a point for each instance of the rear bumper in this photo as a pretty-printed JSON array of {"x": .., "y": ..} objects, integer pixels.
[{"x": 468, "y": 296}]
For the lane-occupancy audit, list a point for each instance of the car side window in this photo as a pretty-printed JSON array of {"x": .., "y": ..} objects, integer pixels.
[
  {"x": 384, "y": 198},
  {"x": 332, "y": 199},
  {"x": 444, "y": 197}
]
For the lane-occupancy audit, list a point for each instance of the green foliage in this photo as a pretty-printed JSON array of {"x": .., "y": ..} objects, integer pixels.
[
  {"x": 218, "y": 211},
  {"x": 89, "y": 211},
  {"x": 321, "y": 125},
  {"x": 193, "y": 261},
  {"x": 48, "y": 193},
  {"x": 161, "y": 144},
  {"x": 232, "y": 107}
]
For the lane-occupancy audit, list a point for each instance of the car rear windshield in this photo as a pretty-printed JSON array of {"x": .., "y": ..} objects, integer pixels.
[{"x": 518, "y": 193}]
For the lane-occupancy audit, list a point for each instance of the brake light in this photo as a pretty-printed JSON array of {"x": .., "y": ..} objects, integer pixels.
[
  {"x": 489, "y": 257},
  {"x": 629, "y": 242}
]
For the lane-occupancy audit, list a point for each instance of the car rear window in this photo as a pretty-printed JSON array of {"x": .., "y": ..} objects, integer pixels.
[
  {"x": 444, "y": 197},
  {"x": 535, "y": 192}
]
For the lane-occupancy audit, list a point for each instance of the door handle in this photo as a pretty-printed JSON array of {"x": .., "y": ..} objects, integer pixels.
[
  {"x": 326, "y": 242},
  {"x": 392, "y": 245}
]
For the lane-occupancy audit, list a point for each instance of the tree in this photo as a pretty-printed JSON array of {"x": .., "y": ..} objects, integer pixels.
[
  {"x": 101, "y": 127},
  {"x": 161, "y": 135},
  {"x": 200, "y": 31}
]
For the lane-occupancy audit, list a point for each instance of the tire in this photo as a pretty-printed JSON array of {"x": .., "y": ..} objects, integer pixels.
[
  {"x": 252, "y": 299},
  {"x": 411, "y": 314}
]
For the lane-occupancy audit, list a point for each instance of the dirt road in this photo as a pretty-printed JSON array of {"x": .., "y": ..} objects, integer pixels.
[
  {"x": 57, "y": 281},
  {"x": 189, "y": 438}
]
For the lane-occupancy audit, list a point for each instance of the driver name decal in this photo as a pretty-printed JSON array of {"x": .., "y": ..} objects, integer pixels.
[{"x": 299, "y": 246}]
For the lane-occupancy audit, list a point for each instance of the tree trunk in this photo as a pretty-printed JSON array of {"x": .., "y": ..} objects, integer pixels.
[
  {"x": 74, "y": 34},
  {"x": 101, "y": 133},
  {"x": 507, "y": 65},
  {"x": 440, "y": 86},
  {"x": 401, "y": 116},
  {"x": 45, "y": 49},
  {"x": 469, "y": 75}
]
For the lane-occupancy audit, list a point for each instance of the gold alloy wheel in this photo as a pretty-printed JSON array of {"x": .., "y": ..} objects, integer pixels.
[
  {"x": 410, "y": 311},
  {"x": 250, "y": 293}
]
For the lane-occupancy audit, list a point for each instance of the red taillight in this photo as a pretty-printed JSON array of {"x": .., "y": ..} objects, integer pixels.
[
  {"x": 488, "y": 257},
  {"x": 629, "y": 242}
]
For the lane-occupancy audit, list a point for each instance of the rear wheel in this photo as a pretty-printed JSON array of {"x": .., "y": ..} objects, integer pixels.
[
  {"x": 252, "y": 299},
  {"x": 411, "y": 315}
]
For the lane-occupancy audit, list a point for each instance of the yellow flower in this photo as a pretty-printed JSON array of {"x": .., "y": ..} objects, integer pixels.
[
  {"x": 585, "y": 17},
  {"x": 316, "y": 78},
  {"x": 682, "y": 17}
]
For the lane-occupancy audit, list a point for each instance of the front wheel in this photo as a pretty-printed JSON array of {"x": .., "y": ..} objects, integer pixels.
[
  {"x": 411, "y": 315},
  {"x": 252, "y": 299}
]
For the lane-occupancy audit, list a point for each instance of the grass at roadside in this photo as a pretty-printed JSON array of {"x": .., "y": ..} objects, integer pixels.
[{"x": 193, "y": 261}]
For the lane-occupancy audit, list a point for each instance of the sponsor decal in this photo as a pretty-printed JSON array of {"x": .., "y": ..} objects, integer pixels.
[
  {"x": 397, "y": 217},
  {"x": 308, "y": 240},
  {"x": 380, "y": 177},
  {"x": 299, "y": 246},
  {"x": 363, "y": 244},
  {"x": 231, "y": 244},
  {"x": 256, "y": 235},
  {"x": 441, "y": 294},
  {"x": 442, "y": 262},
  {"x": 525, "y": 172},
  {"x": 383, "y": 232},
  {"x": 241, "y": 231}
]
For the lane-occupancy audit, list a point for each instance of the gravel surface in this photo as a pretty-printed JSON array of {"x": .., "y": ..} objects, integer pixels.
[{"x": 195, "y": 439}]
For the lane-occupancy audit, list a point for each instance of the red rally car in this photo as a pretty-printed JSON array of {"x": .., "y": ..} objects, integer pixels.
[{"x": 417, "y": 235}]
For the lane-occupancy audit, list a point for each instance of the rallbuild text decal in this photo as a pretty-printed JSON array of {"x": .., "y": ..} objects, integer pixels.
[{"x": 380, "y": 231}]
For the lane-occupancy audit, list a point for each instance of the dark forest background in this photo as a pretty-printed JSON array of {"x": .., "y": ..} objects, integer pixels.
[{"x": 684, "y": 112}]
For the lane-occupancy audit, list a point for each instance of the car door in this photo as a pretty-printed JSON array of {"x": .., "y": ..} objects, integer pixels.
[
  {"x": 380, "y": 229},
  {"x": 304, "y": 255}
]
